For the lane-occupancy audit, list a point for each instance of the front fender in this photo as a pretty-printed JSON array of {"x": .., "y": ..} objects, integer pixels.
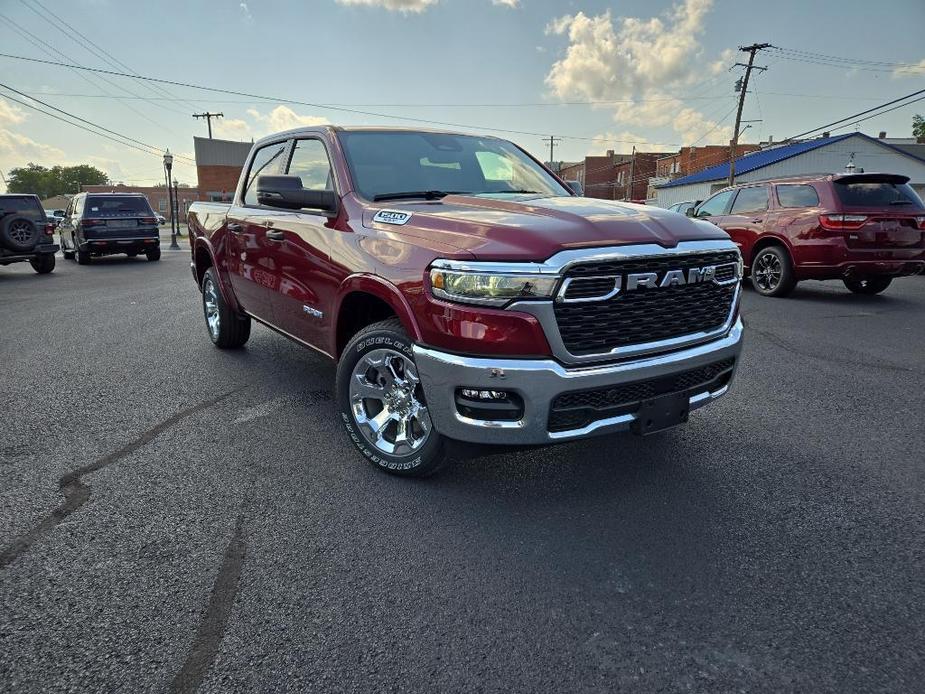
[{"x": 387, "y": 292}]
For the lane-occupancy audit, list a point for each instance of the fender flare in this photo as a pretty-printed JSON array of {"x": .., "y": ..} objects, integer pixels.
[
  {"x": 776, "y": 239},
  {"x": 384, "y": 290},
  {"x": 224, "y": 283}
]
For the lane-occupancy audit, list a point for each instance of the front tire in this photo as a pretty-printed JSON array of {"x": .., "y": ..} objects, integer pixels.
[
  {"x": 772, "y": 272},
  {"x": 227, "y": 329},
  {"x": 869, "y": 285},
  {"x": 43, "y": 264},
  {"x": 381, "y": 402}
]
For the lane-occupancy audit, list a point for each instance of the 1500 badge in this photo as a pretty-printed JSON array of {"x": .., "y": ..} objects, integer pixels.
[{"x": 392, "y": 217}]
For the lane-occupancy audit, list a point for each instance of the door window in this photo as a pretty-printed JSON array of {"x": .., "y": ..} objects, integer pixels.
[
  {"x": 716, "y": 205},
  {"x": 310, "y": 163},
  {"x": 751, "y": 200},
  {"x": 266, "y": 161}
]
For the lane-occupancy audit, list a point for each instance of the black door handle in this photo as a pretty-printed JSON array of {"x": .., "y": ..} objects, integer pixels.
[
  {"x": 275, "y": 235},
  {"x": 235, "y": 228}
]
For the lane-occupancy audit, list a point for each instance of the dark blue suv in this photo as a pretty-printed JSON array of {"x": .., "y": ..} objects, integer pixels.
[{"x": 97, "y": 224}]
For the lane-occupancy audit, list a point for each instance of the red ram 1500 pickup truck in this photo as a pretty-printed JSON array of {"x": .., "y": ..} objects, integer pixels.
[{"x": 466, "y": 292}]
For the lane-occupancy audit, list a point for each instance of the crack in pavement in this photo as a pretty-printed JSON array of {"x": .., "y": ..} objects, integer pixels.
[
  {"x": 212, "y": 626},
  {"x": 786, "y": 346},
  {"x": 76, "y": 493}
]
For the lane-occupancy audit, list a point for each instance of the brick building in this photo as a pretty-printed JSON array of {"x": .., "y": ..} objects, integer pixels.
[
  {"x": 218, "y": 166},
  {"x": 600, "y": 174},
  {"x": 690, "y": 160}
]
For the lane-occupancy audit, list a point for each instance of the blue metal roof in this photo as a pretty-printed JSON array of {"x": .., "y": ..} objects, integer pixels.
[{"x": 756, "y": 160}]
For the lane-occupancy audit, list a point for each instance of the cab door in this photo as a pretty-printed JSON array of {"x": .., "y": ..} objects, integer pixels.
[
  {"x": 747, "y": 217},
  {"x": 302, "y": 241},
  {"x": 252, "y": 267}
]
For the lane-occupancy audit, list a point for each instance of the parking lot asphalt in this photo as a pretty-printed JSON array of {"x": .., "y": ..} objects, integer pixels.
[{"x": 173, "y": 517}]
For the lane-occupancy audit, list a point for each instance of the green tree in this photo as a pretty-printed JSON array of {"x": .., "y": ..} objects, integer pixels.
[
  {"x": 58, "y": 180},
  {"x": 918, "y": 127}
]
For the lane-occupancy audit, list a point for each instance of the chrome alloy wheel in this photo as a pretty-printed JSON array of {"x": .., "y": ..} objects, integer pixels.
[
  {"x": 387, "y": 402},
  {"x": 767, "y": 272},
  {"x": 21, "y": 232},
  {"x": 210, "y": 307}
]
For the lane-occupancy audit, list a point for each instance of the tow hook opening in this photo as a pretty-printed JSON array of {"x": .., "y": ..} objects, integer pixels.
[{"x": 489, "y": 405}]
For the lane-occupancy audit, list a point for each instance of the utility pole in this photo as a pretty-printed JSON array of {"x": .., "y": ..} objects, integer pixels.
[
  {"x": 209, "y": 116},
  {"x": 734, "y": 146},
  {"x": 553, "y": 141},
  {"x": 628, "y": 195}
]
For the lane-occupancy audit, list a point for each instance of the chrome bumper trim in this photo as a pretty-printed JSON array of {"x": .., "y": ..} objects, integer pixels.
[{"x": 539, "y": 381}]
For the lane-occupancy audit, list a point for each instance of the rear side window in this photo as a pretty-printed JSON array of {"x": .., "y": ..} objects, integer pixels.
[
  {"x": 751, "y": 200},
  {"x": 877, "y": 194},
  {"x": 797, "y": 196},
  {"x": 716, "y": 205},
  {"x": 117, "y": 206},
  {"x": 22, "y": 206},
  {"x": 266, "y": 161}
]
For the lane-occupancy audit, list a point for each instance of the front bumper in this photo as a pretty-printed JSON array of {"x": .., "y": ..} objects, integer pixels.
[{"x": 539, "y": 381}]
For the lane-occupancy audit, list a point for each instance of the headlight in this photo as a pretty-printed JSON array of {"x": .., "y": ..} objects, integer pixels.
[{"x": 489, "y": 286}]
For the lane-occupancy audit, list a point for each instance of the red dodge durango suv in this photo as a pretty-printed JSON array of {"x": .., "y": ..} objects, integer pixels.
[{"x": 864, "y": 229}]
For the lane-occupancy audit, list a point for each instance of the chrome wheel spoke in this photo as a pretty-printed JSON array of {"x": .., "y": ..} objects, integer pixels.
[{"x": 387, "y": 404}]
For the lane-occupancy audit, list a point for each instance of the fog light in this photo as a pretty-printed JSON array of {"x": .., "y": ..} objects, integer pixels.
[
  {"x": 476, "y": 403},
  {"x": 484, "y": 394}
]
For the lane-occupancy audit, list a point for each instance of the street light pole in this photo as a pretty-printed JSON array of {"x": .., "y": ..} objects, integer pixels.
[{"x": 168, "y": 166}]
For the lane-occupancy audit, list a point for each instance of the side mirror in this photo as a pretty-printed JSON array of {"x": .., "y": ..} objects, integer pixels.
[
  {"x": 576, "y": 187},
  {"x": 691, "y": 211},
  {"x": 287, "y": 192}
]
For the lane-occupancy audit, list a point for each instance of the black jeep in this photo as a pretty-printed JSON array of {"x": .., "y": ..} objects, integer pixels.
[
  {"x": 26, "y": 233},
  {"x": 98, "y": 224}
]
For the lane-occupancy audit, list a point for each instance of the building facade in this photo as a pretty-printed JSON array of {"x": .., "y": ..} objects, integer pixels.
[
  {"x": 218, "y": 166},
  {"x": 690, "y": 160}
]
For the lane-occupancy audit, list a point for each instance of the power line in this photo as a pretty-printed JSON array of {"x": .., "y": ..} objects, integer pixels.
[
  {"x": 325, "y": 106},
  {"x": 835, "y": 58},
  {"x": 113, "y": 61},
  {"x": 49, "y": 50},
  {"x": 855, "y": 115},
  {"x": 69, "y": 29},
  {"x": 140, "y": 146}
]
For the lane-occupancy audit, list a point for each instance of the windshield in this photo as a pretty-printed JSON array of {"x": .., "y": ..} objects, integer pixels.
[
  {"x": 117, "y": 206},
  {"x": 395, "y": 165},
  {"x": 877, "y": 194}
]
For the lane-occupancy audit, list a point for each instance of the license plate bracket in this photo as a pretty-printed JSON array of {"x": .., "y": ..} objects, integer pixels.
[{"x": 663, "y": 412}]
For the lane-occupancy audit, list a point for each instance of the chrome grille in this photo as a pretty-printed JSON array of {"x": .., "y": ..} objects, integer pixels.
[{"x": 643, "y": 315}]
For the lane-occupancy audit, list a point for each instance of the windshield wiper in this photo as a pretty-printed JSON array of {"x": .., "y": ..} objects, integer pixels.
[
  {"x": 901, "y": 202},
  {"x": 512, "y": 192},
  {"x": 426, "y": 194}
]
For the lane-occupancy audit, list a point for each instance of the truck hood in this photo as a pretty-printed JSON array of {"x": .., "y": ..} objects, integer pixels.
[{"x": 535, "y": 228}]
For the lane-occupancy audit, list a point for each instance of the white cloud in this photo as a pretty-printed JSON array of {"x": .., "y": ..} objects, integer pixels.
[
  {"x": 260, "y": 124},
  {"x": 393, "y": 5},
  {"x": 284, "y": 118},
  {"x": 917, "y": 70},
  {"x": 645, "y": 60},
  {"x": 246, "y": 11},
  {"x": 623, "y": 142},
  {"x": 506, "y": 3},
  {"x": 10, "y": 114},
  {"x": 233, "y": 129},
  {"x": 726, "y": 59}
]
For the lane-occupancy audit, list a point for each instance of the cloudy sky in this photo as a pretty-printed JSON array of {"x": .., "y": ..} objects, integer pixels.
[{"x": 601, "y": 75}]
